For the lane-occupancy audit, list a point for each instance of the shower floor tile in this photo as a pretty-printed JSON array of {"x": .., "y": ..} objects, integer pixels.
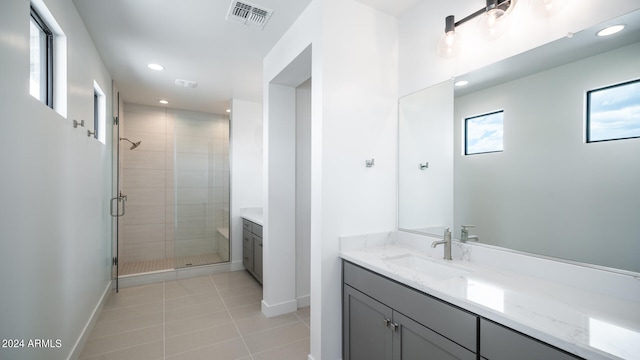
[
  {"x": 138, "y": 267},
  {"x": 192, "y": 319}
]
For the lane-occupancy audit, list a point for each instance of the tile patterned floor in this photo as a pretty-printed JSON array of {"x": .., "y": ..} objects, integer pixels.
[
  {"x": 138, "y": 267},
  {"x": 211, "y": 317}
]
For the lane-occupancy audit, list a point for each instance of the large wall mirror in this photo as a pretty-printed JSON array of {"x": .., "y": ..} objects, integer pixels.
[{"x": 547, "y": 191}]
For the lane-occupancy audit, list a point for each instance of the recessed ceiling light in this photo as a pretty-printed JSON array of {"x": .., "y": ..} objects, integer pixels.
[
  {"x": 165, "y": 102},
  {"x": 157, "y": 67},
  {"x": 461, "y": 83},
  {"x": 610, "y": 30},
  {"x": 228, "y": 110}
]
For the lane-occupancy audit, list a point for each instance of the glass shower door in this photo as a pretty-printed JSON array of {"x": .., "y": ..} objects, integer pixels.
[{"x": 201, "y": 189}]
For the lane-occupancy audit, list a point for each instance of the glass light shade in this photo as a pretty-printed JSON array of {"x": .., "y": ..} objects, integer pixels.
[
  {"x": 493, "y": 24},
  {"x": 449, "y": 45},
  {"x": 545, "y": 8}
]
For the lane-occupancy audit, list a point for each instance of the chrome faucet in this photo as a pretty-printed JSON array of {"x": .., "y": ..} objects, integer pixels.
[
  {"x": 465, "y": 234},
  {"x": 447, "y": 244}
]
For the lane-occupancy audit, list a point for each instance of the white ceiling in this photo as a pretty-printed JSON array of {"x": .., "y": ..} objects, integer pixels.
[
  {"x": 192, "y": 40},
  {"x": 393, "y": 7}
]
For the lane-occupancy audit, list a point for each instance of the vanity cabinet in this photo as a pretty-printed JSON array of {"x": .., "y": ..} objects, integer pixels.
[
  {"x": 252, "y": 248},
  {"x": 501, "y": 343},
  {"x": 383, "y": 319}
]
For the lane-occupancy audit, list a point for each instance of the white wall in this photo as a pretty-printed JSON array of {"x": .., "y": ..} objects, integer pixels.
[
  {"x": 422, "y": 26},
  {"x": 354, "y": 112},
  {"x": 55, "y": 227},
  {"x": 303, "y": 193},
  {"x": 246, "y": 167}
]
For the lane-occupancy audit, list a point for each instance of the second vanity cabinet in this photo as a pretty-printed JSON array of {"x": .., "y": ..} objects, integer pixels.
[
  {"x": 383, "y": 319},
  {"x": 252, "y": 248},
  {"x": 386, "y": 320}
]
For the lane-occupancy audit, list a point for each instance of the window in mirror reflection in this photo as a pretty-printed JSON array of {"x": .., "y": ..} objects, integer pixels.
[
  {"x": 483, "y": 133},
  {"x": 613, "y": 112}
]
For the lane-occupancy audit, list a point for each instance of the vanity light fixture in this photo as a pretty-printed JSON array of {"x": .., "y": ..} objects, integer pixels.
[
  {"x": 610, "y": 30},
  {"x": 156, "y": 67},
  {"x": 163, "y": 101},
  {"x": 492, "y": 24}
]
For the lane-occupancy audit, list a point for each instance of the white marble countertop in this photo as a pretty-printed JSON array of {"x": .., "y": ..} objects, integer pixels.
[
  {"x": 252, "y": 214},
  {"x": 586, "y": 323}
]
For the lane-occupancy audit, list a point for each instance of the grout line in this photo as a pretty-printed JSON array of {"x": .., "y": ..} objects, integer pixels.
[
  {"x": 283, "y": 345},
  {"x": 303, "y": 320},
  {"x": 233, "y": 320}
]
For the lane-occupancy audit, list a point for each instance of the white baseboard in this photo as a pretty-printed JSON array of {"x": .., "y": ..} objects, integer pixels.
[
  {"x": 304, "y": 301},
  {"x": 82, "y": 339},
  {"x": 237, "y": 265},
  {"x": 279, "y": 309}
]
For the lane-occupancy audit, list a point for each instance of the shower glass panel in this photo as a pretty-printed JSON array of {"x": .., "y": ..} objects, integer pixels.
[{"x": 200, "y": 189}]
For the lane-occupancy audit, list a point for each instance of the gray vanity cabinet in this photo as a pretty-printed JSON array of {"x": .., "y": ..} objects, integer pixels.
[
  {"x": 257, "y": 257},
  {"x": 501, "y": 343},
  {"x": 252, "y": 248},
  {"x": 386, "y": 320}
]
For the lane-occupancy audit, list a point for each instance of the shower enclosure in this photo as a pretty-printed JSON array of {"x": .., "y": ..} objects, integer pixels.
[{"x": 176, "y": 183}]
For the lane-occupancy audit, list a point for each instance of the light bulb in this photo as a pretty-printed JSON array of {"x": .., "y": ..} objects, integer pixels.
[
  {"x": 449, "y": 44},
  {"x": 493, "y": 23},
  {"x": 545, "y": 8}
]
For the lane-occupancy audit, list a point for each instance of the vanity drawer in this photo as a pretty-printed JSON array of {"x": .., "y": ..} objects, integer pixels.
[
  {"x": 246, "y": 239},
  {"x": 449, "y": 321},
  {"x": 256, "y": 229},
  {"x": 252, "y": 227},
  {"x": 501, "y": 343},
  {"x": 246, "y": 224}
]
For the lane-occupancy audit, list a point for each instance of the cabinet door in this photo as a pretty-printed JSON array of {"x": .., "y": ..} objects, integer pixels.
[
  {"x": 247, "y": 250},
  {"x": 257, "y": 258},
  {"x": 366, "y": 334},
  {"x": 413, "y": 341},
  {"x": 500, "y": 343}
]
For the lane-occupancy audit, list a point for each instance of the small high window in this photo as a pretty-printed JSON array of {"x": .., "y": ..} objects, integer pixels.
[
  {"x": 99, "y": 113},
  {"x": 41, "y": 60},
  {"x": 613, "y": 112},
  {"x": 483, "y": 133}
]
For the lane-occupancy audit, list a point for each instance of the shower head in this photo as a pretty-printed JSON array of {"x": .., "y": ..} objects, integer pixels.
[{"x": 133, "y": 144}]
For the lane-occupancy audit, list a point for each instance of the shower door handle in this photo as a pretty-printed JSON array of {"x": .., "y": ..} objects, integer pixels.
[{"x": 117, "y": 200}]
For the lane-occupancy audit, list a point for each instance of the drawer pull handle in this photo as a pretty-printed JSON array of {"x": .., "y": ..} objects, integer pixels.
[
  {"x": 394, "y": 327},
  {"x": 386, "y": 322}
]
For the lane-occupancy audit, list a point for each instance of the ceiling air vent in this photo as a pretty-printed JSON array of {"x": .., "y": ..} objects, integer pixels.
[{"x": 248, "y": 14}]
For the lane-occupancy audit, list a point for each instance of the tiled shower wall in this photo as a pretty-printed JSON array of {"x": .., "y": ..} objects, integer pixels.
[{"x": 176, "y": 182}]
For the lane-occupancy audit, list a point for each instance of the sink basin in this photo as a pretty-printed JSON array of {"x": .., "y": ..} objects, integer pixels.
[{"x": 427, "y": 266}]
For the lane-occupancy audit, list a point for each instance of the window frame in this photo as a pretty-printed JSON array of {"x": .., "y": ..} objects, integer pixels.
[
  {"x": 46, "y": 66},
  {"x": 588, "y": 135},
  {"x": 465, "y": 139},
  {"x": 96, "y": 114}
]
